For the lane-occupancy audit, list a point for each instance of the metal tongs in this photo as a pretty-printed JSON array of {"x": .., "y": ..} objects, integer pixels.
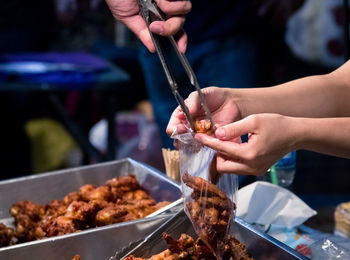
[{"x": 150, "y": 12}]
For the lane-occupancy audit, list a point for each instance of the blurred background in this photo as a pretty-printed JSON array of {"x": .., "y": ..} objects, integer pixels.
[{"x": 76, "y": 87}]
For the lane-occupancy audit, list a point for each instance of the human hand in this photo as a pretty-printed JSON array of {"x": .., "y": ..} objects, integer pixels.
[
  {"x": 270, "y": 137},
  {"x": 222, "y": 107},
  {"x": 128, "y": 12}
]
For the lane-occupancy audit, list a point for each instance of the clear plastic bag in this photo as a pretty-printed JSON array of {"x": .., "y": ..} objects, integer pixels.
[
  {"x": 327, "y": 246},
  {"x": 210, "y": 207}
]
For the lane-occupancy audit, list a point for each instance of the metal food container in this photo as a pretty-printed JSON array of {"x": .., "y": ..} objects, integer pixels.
[
  {"x": 95, "y": 243},
  {"x": 259, "y": 245}
]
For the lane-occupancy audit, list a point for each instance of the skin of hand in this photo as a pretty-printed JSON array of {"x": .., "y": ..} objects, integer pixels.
[
  {"x": 223, "y": 109},
  {"x": 271, "y": 136},
  {"x": 311, "y": 113},
  {"x": 128, "y": 12},
  {"x": 266, "y": 143}
]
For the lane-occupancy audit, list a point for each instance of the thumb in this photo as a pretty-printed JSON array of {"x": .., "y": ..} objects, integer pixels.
[{"x": 234, "y": 130}]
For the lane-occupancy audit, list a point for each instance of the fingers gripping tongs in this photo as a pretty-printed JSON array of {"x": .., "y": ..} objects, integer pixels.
[{"x": 150, "y": 12}]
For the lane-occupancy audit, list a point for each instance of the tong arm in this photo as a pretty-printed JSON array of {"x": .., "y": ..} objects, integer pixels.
[{"x": 150, "y": 12}]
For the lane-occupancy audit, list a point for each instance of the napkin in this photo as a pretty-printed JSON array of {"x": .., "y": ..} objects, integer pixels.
[{"x": 265, "y": 203}]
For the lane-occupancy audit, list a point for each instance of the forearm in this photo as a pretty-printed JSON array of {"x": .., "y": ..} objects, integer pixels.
[
  {"x": 316, "y": 96},
  {"x": 324, "y": 135}
]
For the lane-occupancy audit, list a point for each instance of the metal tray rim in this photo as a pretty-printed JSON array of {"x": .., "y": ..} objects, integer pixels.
[
  {"x": 84, "y": 232},
  {"x": 85, "y": 167},
  {"x": 270, "y": 239}
]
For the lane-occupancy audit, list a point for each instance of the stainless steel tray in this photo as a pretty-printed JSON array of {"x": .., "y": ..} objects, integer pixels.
[
  {"x": 259, "y": 245},
  {"x": 93, "y": 244},
  {"x": 42, "y": 188}
]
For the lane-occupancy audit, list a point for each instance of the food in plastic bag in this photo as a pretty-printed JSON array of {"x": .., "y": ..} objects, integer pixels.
[
  {"x": 210, "y": 210},
  {"x": 210, "y": 207}
]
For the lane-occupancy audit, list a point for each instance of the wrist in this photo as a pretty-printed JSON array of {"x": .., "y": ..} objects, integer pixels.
[
  {"x": 300, "y": 129},
  {"x": 239, "y": 99}
]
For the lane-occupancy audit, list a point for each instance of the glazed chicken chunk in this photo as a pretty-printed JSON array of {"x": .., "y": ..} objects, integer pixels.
[
  {"x": 6, "y": 235},
  {"x": 120, "y": 199}
]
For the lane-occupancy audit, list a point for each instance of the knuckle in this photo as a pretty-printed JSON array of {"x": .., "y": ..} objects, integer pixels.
[{"x": 254, "y": 120}]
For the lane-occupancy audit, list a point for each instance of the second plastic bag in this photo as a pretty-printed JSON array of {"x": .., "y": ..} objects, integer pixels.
[{"x": 211, "y": 207}]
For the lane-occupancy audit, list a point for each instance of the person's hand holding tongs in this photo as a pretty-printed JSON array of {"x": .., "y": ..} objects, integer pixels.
[
  {"x": 128, "y": 12},
  {"x": 150, "y": 12}
]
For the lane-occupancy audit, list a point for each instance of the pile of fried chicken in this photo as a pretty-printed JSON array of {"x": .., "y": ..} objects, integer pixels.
[
  {"x": 211, "y": 212},
  {"x": 120, "y": 199},
  {"x": 185, "y": 248}
]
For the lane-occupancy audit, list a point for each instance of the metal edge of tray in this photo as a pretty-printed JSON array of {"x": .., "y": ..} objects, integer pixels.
[
  {"x": 240, "y": 228},
  {"x": 98, "y": 243},
  {"x": 270, "y": 239},
  {"x": 161, "y": 174},
  {"x": 85, "y": 167},
  {"x": 64, "y": 171}
]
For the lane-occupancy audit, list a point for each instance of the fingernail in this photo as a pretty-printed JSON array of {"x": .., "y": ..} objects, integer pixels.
[
  {"x": 158, "y": 29},
  {"x": 220, "y": 132}
]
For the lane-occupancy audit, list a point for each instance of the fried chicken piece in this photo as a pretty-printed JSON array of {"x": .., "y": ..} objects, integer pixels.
[
  {"x": 208, "y": 202},
  {"x": 126, "y": 183},
  {"x": 110, "y": 215},
  {"x": 7, "y": 235},
  {"x": 136, "y": 196},
  {"x": 73, "y": 196},
  {"x": 79, "y": 215},
  {"x": 120, "y": 199},
  {"x": 139, "y": 204},
  {"x": 90, "y": 192},
  {"x": 199, "y": 186},
  {"x": 58, "y": 226},
  {"x": 55, "y": 208},
  {"x": 166, "y": 255},
  {"x": 204, "y": 126},
  {"x": 76, "y": 257},
  {"x": 139, "y": 209},
  {"x": 26, "y": 216},
  {"x": 186, "y": 248},
  {"x": 82, "y": 213},
  {"x": 123, "y": 184}
]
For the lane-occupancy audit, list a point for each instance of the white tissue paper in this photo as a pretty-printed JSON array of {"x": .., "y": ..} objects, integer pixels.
[{"x": 265, "y": 203}]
